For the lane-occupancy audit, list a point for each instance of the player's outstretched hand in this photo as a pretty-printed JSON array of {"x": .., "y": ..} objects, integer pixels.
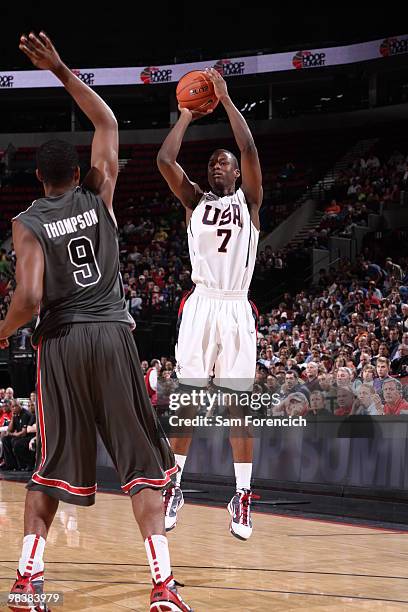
[
  {"x": 40, "y": 50},
  {"x": 194, "y": 114},
  {"x": 220, "y": 86}
]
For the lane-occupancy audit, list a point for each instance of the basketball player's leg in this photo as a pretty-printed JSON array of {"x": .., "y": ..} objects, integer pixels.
[
  {"x": 65, "y": 464},
  {"x": 139, "y": 449},
  {"x": 235, "y": 372},
  {"x": 241, "y": 440},
  {"x": 196, "y": 350},
  {"x": 39, "y": 512},
  {"x": 180, "y": 439}
]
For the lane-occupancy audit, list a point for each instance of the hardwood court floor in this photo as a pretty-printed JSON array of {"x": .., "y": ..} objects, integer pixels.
[{"x": 97, "y": 559}]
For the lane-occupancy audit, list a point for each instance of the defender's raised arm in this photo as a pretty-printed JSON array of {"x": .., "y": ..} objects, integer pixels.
[{"x": 105, "y": 146}]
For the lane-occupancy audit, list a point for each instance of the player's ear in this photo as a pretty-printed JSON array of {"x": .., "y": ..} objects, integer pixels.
[
  {"x": 237, "y": 173},
  {"x": 39, "y": 176},
  {"x": 77, "y": 175}
]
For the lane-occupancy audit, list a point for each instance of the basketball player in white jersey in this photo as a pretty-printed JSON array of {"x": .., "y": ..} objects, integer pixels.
[{"x": 217, "y": 332}]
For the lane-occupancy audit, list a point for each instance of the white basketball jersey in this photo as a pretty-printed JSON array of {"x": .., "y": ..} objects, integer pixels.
[{"x": 222, "y": 241}]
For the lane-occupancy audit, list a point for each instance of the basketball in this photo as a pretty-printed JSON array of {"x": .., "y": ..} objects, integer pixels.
[{"x": 195, "y": 91}]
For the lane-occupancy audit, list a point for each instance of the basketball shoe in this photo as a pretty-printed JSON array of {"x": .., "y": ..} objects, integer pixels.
[
  {"x": 27, "y": 586},
  {"x": 165, "y": 598},
  {"x": 173, "y": 502},
  {"x": 240, "y": 511}
]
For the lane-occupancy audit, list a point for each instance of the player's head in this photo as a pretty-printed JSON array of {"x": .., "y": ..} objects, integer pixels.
[
  {"x": 58, "y": 164},
  {"x": 223, "y": 171}
]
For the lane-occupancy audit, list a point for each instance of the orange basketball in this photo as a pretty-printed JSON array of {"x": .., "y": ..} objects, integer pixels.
[{"x": 196, "y": 92}]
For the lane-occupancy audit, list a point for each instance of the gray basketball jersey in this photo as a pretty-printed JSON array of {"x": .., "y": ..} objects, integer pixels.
[{"x": 79, "y": 239}]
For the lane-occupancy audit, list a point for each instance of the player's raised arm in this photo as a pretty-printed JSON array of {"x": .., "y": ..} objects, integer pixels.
[
  {"x": 104, "y": 160},
  {"x": 185, "y": 190},
  {"x": 250, "y": 166},
  {"x": 29, "y": 276}
]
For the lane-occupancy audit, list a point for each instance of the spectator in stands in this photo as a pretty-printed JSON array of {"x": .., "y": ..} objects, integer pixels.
[
  {"x": 372, "y": 163},
  {"x": 5, "y": 420},
  {"x": 5, "y": 414},
  {"x": 404, "y": 315},
  {"x": 261, "y": 375},
  {"x": 318, "y": 404},
  {"x": 345, "y": 400},
  {"x": 394, "y": 403},
  {"x": 393, "y": 269},
  {"x": 399, "y": 364},
  {"x": 129, "y": 228},
  {"x": 311, "y": 372},
  {"x": 393, "y": 316},
  {"x": 328, "y": 389},
  {"x": 9, "y": 395},
  {"x": 394, "y": 343},
  {"x": 365, "y": 359},
  {"x": 333, "y": 210},
  {"x": 16, "y": 434},
  {"x": 135, "y": 256},
  {"x": 344, "y": 377},
  {"x": 296, "y": 404},
  {"x": 144, "y": 365},
  {"x": 23, "y": 449},
  {"x": 292, "y": 385},
  {"x": 134, "y": 304},
  {"x": 151, "y": 379},
  {"x": 272, "y": 385},
  {"x": 368, "y": 402},
  {"x": 368, "y": 374},
  {"x": 268, "y": 358},
  {"x": 383, "y": 373}
]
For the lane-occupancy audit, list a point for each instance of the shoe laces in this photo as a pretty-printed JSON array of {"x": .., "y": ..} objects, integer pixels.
[
  {"x": 29, "y": 577},
  {"x": 172, "y": 584},
  {"x": 245, "y": 505}
]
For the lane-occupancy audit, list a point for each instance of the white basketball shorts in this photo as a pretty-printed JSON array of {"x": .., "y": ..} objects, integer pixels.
[{"x": 217, "y": 336}]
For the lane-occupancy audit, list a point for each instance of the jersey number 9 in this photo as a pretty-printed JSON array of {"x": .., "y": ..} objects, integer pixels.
[{"x": 82, "y": 256}]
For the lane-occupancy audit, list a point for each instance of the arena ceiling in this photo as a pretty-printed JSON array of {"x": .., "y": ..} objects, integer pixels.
[{"x": 164, "y": 31}]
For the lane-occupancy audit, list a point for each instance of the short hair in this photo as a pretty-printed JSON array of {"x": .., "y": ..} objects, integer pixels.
[
  {"x": 346, "y": 370},
  {"x": 383, "y": 360},
  {"x": 234, "y": 159},
  {"x": 397, "y": 383},
  {"x": 57, "y": 161}
]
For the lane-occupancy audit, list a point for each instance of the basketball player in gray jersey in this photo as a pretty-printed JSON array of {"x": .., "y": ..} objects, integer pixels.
[{"x": 88, "y": 371}]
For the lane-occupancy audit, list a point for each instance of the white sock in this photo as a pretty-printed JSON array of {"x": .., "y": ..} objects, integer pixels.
[
  {"x": 180, "y": 460},
  {"x": 31, "y": 560},
  {"x": 243, "y": 473},
  {"x": 157, "y": 548}
]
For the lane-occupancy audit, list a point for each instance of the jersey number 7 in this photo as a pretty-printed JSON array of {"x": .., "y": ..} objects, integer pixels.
[{"x": 227, "y": 233}]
